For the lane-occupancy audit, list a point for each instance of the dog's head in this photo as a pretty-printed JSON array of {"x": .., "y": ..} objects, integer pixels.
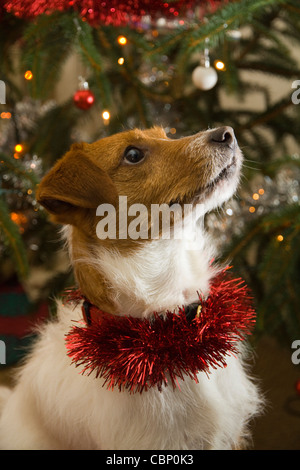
[
  {"x": 145, "y": 166},
  {"x": 149, "y": 170}
]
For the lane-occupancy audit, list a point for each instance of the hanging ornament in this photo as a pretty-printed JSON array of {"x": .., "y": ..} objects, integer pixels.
[
  {"x": 83, "y": 98},
  {"x": 204, "y": 76}
]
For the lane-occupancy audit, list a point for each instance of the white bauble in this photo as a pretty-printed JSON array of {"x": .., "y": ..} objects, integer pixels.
[{"x": 204, "y": 78}]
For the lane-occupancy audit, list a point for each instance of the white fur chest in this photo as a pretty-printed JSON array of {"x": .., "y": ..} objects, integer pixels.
[
  {"x": 55, "y": 407},
  {"x": 160, "y": 275},
  {"x": 73, "y": 411}
]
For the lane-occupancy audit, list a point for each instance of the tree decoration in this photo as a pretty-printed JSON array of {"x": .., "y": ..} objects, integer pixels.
[
  {"x": 113, "y": 12},
  {"x": 204, "y": 76},
  {"x": 106, "y": 117},
  {"x": 138, "y": 353},
  {"x": 83, "y": 98},
  {"x": 28, "y": 75}
]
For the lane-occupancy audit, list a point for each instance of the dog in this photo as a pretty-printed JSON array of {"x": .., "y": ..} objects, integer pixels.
[{"x": 53, "y": 405}]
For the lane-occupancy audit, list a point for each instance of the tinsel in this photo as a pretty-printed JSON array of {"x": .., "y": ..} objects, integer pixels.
[
  {"x": 113, "y": 12},
  {"x": 282, "y": 190},
  {"x": 139, "y": 353}
]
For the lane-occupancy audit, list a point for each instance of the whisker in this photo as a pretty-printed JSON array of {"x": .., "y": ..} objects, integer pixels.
[
  {"x": 250, "y": 167},
  {"x": 245, "y": 178},
  {"x": 252, "y": 161}
]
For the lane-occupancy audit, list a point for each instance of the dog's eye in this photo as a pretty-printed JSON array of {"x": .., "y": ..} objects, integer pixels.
[{"x": 133, "y": 155}]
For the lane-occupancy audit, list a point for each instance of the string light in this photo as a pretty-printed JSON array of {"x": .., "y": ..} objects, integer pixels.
[
  {"x": 280, "y": 238},
  {"x": 122, "y": 40},
  {"x": 106, "y": 115},
  {"x": 18, "y": 148},
  {"x": 252, "y": 209},
  {"x": 18, "y": 218},
  {"x": 121, "y": 60},
  {"x": 261, "y": 191},
  {"x": 28, "y": 75},
  {"x": 5, "y": 115},
  {"x": 219, "y": 65},
  {"x": 255, "y": 196}
]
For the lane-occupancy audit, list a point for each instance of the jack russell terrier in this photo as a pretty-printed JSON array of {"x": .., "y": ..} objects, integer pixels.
[{"x": 172, "y": 402}]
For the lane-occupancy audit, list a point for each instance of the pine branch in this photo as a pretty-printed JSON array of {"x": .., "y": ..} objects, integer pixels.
[
  {"x": 14, "y": 240},
  {"x": 47, "y": 43},
  {"x": 270, "y": 223},
  {"x": 267, "y": 67},
  {"x": 269, "y": 115},
  {"x": 272, "y": 167},
  {"x": 91, "y": 57},
  {"x": 53, "y": 138},
  {"x": 17, "y": 169},
  {"x": 274, "y": 268},
  {"x": 230, "y": 15}
]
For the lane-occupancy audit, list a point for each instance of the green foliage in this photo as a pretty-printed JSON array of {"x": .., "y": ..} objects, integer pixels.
[
  {"x": 12, "y": 236},
  {"x": 14, "y": 166},
  {"x": 267, "y": 254},
  {"x": 13, "y": 239},
  {"x": 48, "y": 42}
]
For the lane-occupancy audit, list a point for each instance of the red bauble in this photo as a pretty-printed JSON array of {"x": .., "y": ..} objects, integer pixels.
[{"x": 83, "y": 99}]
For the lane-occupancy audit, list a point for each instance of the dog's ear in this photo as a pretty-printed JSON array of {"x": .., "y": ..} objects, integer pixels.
[{"x": 74, "y": 186}]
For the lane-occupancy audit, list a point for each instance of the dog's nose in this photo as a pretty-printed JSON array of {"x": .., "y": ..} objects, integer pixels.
[{"x": 224, "y": 136}]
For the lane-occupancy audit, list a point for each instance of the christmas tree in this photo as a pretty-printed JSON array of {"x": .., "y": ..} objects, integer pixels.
[{"x": 185, "y": 66}]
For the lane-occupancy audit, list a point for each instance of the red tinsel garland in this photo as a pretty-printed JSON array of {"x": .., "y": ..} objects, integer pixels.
[
  {"x": 136, "y": 354},
  {"x": 113, "y": 12}
]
